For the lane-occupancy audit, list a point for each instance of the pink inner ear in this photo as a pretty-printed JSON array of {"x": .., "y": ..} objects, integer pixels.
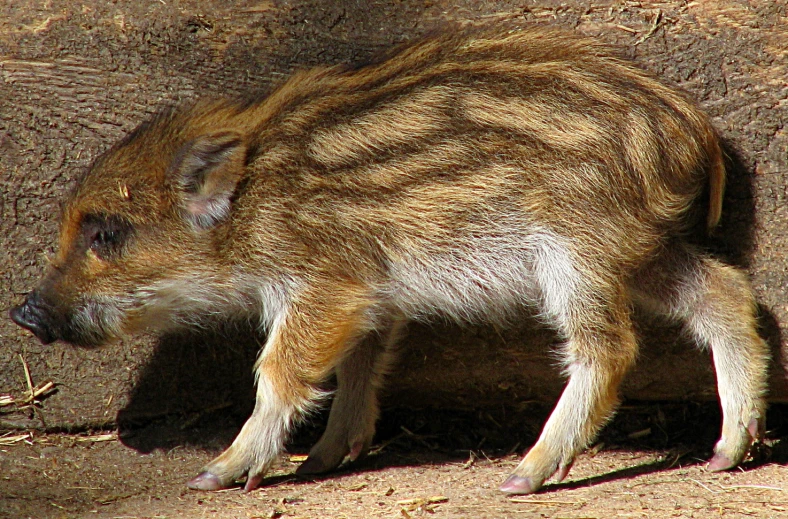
[
  {"x": 209, "y": 169},
  {"x": 205, "y": 212},
  {"x": 198, "y": 207}
]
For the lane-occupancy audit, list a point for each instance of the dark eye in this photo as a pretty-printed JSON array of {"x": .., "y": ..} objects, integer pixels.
[
  {"x": 104, "y": 238},
  {"x": 105, "y": 235}
]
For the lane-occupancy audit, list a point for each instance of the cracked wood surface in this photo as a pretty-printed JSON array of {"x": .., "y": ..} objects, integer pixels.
[{"x": 76, "y": 76}]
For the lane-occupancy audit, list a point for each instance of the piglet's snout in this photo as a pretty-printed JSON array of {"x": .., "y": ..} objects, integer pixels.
[{"x": 34, "y": 315}]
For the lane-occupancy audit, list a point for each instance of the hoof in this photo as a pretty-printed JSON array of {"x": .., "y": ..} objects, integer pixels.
[
  {"x": 719, "y": 462},
  {"x": 252, "y": 482},
  {"x": 312, "y": 466},
  {"x": 563, "y": 471},
  {"x": 755, "y": 428},
  {"x": 516, "y": 485},
  {"x": 205, "y": 481},
  {"x": 357, "y": 451}
]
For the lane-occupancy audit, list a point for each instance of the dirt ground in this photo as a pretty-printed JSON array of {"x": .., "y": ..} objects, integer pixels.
[{"x": 648, "y": 463}]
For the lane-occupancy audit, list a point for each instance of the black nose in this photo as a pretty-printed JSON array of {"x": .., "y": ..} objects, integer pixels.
[{"x": 33, "y": 315}]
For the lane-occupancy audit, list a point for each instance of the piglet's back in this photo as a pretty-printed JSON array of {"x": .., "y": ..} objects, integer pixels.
[{"x": 482, "y": 134}]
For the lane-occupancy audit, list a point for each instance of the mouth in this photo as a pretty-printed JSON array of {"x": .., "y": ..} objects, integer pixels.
[{"x": 89, "y": 327}]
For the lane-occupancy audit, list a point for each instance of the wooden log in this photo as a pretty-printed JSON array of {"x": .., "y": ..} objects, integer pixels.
[{"x": 76, "y": 76}]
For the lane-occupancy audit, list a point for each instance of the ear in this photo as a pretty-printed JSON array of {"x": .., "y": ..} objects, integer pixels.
[{"x": 208, "y": 170}]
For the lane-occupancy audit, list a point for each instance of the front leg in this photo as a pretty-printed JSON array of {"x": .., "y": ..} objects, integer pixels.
[
  {"x": 305, "y": 344},
  {"x": 257, "y": 445}
]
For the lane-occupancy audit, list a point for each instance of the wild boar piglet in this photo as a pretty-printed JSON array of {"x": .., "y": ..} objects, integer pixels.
[{"x": 472, "y": 176}]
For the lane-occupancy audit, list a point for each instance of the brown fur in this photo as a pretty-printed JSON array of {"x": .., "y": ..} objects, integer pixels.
[{"x": 465, "y": 176}]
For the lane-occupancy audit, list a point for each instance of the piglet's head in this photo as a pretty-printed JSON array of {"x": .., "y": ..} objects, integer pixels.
[{"x": 139, "y": 232}]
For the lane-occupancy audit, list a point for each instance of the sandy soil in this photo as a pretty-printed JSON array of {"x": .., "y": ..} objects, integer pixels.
[{"x": 640, "y": 468}]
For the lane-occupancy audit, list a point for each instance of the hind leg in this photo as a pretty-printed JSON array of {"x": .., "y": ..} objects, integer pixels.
[
  {"x": 354, "y": 411},
  {"x": 716, "y": 304},
  {"x": 594, "y": 317},
  {"x": 599, "y": 351}
]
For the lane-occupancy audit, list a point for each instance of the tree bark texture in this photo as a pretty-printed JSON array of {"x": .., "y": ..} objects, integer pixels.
[{"x": 76, "y": 76}]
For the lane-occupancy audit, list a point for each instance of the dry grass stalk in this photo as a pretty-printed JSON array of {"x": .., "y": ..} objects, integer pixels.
[
  {"x": 654, "y": 26},
  {"x": 548, "y": 502},
  {"x": 426, "y": 504},
  {"x": 35, "y": 393},
  {"x": 96, "y": 438},
  {"x": 11, "y": 440},
  {"x": 34, "y": 397}
]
